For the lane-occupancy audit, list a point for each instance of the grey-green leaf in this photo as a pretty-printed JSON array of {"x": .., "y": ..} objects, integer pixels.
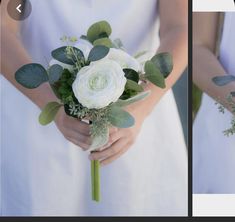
[
  {"x": 49, "y": 112},
  {"x": 132, "y": 85},
  {"x": 31, "y": 75},
  {"x": 120, "y": 118},
  {"x": 98, "y": 30},
  {"x": 131, "y": 100},
  {"x": 98, "y": 52},
  {"x": 61, "y": 55},
  {"x": 131, "y": 74},
  {"x": 153, "y": 74},
  {"x": 55, "y": 71},
  {"x": 223, "y": 80},
  {"x": 103, "y": 41},
  {"x": 164, "y": 62},
  {"x": 232, "y": 94}
]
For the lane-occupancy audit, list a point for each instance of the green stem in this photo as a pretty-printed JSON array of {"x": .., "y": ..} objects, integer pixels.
[{"x": 95, "y": 180}]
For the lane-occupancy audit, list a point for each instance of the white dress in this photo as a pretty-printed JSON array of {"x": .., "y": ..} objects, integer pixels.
[
  {"x": 214, "y": 153},
  {"x": 44, "y": 174}
]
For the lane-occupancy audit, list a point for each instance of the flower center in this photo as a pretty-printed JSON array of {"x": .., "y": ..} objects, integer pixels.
[{"x": 98, "y": 82}]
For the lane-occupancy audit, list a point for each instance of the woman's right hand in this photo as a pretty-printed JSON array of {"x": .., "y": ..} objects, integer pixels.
[{"x": 74, "y": 130}]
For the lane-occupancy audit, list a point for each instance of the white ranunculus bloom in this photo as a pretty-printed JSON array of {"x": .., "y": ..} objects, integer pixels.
[
  {"x": 65, "y": 66},
  {"x": 99, "y": 84},
  {"x": 123, "y": 59},
  {"x": 84, "y": 46}
]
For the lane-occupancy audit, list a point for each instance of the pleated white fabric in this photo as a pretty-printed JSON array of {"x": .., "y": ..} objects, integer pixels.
[
  {"x": 43, "y": 174},
  {"x": 214, "y": 153}
]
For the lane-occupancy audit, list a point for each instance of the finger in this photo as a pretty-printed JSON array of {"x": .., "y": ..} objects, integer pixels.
[
  {"x": 83, "y": 146},
  {"x": 78, "y": 126},
  {"x": 78, "y": 137},
  {"x": 110, "y": 151},
  {"x": 112, "y": 130},
  {"x": 114, "y": 157}
]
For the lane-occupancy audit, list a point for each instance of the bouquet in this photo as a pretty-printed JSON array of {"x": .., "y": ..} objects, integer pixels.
[
  {"x": 94, "y": 79},
  {"x": 222, "y": 81}
]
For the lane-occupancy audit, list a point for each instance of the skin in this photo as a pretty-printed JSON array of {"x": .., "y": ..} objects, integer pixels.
[
  {"x": 205, "y": 63},
  {"x": 173, "y": 36}
]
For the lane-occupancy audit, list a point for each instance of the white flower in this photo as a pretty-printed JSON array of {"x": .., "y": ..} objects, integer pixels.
[
  {"x": 99, "y": 84},
  {"x": 123, "y": 59},
  {"x": 65, "y": 66},
  {"x": 84, "y": 46}
]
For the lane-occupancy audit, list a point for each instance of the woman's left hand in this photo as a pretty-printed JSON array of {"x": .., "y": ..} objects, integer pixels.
[{"x": 120, "y": 140}]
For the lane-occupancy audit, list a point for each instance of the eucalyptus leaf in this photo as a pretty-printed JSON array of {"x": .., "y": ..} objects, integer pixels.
[
  {"x": 131, "y": 100},
  {"x": 98, "y": 52},
  {"x": 120, "y": 118},
  {"x": 99, "y": 30},
  {"x": 31, "y": 75},
  {"x": 100, "y": 139},
  {"x": 153, "y": 74},
  {"x": 103, "y": 41},
  {"x": 164, "y": 62},
  {"x": 223, "y": 80},
  {"x": 84, "y": 37},
  {"x": 55, "y": 71},
  {"x": 61, "y": 55},
  {"x": 49, "y": 112},
  {"x": 131, "y": 74},
  {"x": 132, "y": 85}
]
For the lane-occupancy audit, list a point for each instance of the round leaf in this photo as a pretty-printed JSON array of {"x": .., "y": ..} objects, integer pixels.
[
  {"x": 103, "y": 41},
  {"x": 131, "y": 74},
  {"x": 120, "y": 118},
  {"x": 99, "y": 30},
  {"x": 131, "y": 85},
  {"x": 153, "y": 74},
  {"x": 98, "y": 52},
  {"x": 31, "y": 75},
  {"x": 61, "y": 55},
  {"x": 164, "y": 62},
  {"x": 49, "y": 112},
  {"x": 55, "y": 71},
  {"x": 223, "y": 80}
]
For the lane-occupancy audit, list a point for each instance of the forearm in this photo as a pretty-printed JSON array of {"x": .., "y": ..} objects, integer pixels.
[
  {"x": 205, "y": 67},
  {"x": 13, "y": 56},
  {"x": 174, "y": 41}
]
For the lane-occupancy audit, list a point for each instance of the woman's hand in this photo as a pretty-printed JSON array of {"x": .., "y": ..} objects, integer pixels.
[
  {"x": 120, "y": 140},
  {"x": 74, "y": 130}
]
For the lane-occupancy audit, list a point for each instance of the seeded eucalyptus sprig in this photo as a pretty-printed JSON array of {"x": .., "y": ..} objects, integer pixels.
[{"x": 230, "y": 102}]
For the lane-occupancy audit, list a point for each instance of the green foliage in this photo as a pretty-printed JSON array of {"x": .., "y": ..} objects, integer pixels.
[
  {"x": 197, "y": 95},
  {"x": 49, "y": 112},
  {"x": 54, "y": 73},
  {"x": 139, "y": 54},
  {"x": 63, "y": 87},
  {"x": 132, "y": 85},
  {"x": 131, "y": 74},
  {"x": 223, "y": 80},
  {"x": 99, "y": 30},
  {"x": 131, "y": 100},
  {"x": 98, "y": 52},
  {"x": 120, "y": 118},
  {"x": 68, "y": 54},
  {"x": 164, "y": 63},
  {"x": 153, "y": 74},
  {"x": 31, "y": 75},
  {"x": 103, "y": 41}
]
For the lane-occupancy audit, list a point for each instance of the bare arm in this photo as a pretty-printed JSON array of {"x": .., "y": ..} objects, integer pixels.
[
  {"x": 13, "y": 56},
  {"x": 205, "y": 64}
]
